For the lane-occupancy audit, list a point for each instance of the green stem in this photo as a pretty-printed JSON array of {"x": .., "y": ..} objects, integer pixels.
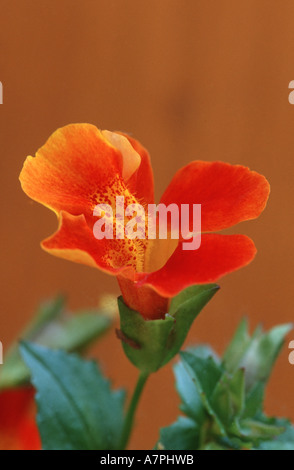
[{"x": 129, "y": 419}]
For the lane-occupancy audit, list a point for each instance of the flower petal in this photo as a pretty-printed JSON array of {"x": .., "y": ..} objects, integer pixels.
[
  {"x": 218, "y": 255},
  {"x": 131, "y": 159},
  {"x": 228, "y": 194},
  {"x": 74, "y": 241},
  {"x": 141, "y": 184},
  {"x": 70, "y": 171},
  {"x": 18, "y": 429}
]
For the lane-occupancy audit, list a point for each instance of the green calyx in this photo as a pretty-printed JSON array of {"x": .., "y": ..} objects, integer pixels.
[{"x": 150, "y": 344}]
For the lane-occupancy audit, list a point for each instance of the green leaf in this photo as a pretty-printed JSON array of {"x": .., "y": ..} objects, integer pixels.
[
  {"x": 184, "y": 434},
  {"x": 257, "y": 430},
  {"x": 191, "y": 403},
  {"x": 205, "y": 373},
  {"x": 237, "y": 347},
  {"x": 237, "y": 392},
  {"x": 284, "y": 441},
  {"x": 228, "y": 397},
  {"x": 184, "y": 308},
  {"x": 56, "y": 329},
  {"x": 204, "y": 351},
  {"x": 256, "y": 354},
  {"x": 76, "y": 408},
  {"x": 262, "y": 353},
  {"x": 74, "y": 332},
  {"x": 181, "y": 435},
  {"x": 254, "y": 401},
  {"x": 150, "y": 344}
]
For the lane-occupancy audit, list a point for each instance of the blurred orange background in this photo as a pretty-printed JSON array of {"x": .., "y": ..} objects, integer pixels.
[{"x": 191, "y": 80}]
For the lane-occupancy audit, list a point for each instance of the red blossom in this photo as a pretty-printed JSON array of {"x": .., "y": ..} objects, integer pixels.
[
  {"x": 80, "y": 167},
  {"x": 18, "y": 429}
]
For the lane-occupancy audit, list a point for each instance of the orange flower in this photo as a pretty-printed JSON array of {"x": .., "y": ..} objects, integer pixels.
[
  {"x": 18, "y": 429},
  {"x": 80, "y": 167}
]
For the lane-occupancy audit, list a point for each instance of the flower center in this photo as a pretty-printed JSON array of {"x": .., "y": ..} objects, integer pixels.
[{"x": 122, "y": 251}]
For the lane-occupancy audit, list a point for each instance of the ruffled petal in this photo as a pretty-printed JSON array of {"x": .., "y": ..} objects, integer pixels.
[
  {"x": 228, "y": 194},
  {"x": 74, "y": 241},
  {"x": 75, "y": 168},
  {"x": 218, "y": 255}
]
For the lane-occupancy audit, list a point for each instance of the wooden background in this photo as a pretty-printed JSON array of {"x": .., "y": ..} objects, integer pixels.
[{"x": 190, "y": 79}]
